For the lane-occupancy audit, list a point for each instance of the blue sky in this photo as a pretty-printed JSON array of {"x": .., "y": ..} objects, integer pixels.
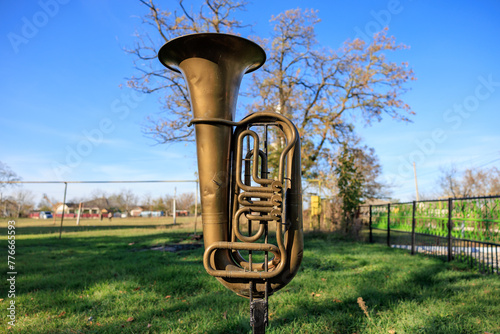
[{"x": 67, "y": 115}]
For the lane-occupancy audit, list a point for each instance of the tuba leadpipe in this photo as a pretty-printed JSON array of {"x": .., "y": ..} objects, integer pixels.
[{"x": 237, "y": 188}]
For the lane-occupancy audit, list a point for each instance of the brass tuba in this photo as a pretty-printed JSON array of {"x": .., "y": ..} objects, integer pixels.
[{"x": 235, "y": 184}]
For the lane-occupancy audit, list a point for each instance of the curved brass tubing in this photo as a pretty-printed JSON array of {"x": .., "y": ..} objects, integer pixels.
[{"x": 292, "y": 238}]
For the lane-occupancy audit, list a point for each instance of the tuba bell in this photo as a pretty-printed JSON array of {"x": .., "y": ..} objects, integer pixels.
[{"x": 251, "y": 209}]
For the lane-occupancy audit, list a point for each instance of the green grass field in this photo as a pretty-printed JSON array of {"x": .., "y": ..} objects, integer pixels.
[{"x": 99, "y": 278}]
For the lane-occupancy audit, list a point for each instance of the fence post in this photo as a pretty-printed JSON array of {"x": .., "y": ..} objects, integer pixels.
[
  {"x": 413, "y": 228},
  {"x": 389, "y": 224},
  {"x": 450, "y": 208},
  {"x": 370, "y": 225}
]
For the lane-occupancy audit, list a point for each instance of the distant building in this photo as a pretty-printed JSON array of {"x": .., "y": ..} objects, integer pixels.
[
  {"x": 182, "y": 213},
  {"x": 89, "y": 209},
  {"x": 68, "y": 209},
  {"x": 96, "y": 207},
  {"x": 152, "y": 213},
  {"x": 136, "y": 212}
]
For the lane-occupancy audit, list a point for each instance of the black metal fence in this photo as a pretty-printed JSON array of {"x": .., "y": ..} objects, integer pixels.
[{"x": 462, "y": 229}]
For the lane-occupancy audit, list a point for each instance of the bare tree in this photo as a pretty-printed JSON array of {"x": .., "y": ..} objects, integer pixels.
[
  {"x": 184, "y": 201},
  {"x": 147, "y": 201},
  {"x": 129, "y": 199},
  {"x": 168, "y": 201},
  {"x": 6, "y": 175},
  {"x": 124, "y": 200},
  {"x": 322, "y": 90},
  {"x": 211, "y": 16},
  {"x": 494, "y": 181},
  {"x": 24, "y": 200},
  {"x": 471, "y": 182},
  {"x": 98, "y": 193}
]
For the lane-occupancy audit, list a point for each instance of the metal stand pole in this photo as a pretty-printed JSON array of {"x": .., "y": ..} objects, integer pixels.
[{"x": 258, "y": 312}]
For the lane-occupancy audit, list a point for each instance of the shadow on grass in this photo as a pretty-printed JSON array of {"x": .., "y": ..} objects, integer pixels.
[
  {"x": 56, "y": 273},
  {"x": 387, "y": 289},
  {"x": 106, "y": 268},
  {"x": 34, "y": 230}
]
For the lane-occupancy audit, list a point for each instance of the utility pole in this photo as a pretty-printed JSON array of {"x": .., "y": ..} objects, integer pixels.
[{"x": 416, "y": 183}]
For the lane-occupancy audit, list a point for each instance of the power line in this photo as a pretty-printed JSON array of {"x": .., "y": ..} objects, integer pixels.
[{"x": 489, "y": 162}]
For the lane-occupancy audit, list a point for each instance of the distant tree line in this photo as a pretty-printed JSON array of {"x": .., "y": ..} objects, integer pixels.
[
  {"x": 469, "y": 183},
  {"x": 126, "y": 200}
]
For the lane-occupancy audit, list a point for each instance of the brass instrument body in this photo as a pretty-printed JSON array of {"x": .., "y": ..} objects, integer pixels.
[{"x": 213, "y": 66}]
